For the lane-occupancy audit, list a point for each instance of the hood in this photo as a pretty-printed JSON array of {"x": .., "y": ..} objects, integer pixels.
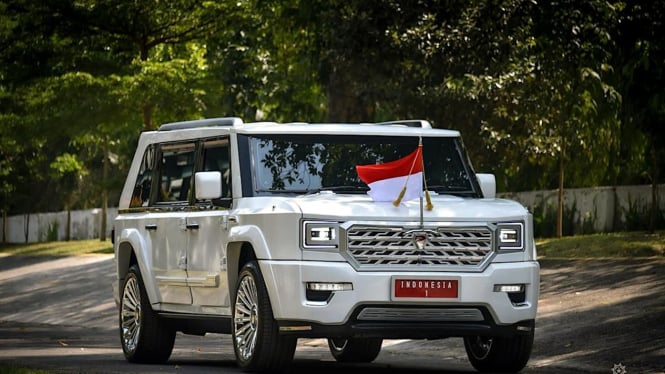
[{"x": 327, "y": 205}]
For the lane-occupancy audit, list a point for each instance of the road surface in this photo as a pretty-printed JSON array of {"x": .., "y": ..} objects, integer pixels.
[{"x": 594, "y": 316}]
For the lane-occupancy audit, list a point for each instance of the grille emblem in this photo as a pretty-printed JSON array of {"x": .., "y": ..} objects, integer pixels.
[{"x": 420, "y": 239}]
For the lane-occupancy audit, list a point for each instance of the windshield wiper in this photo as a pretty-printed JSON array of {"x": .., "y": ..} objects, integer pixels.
[
  {"x": 451, "y": 190},
  {"x": 350, "y": 189}
]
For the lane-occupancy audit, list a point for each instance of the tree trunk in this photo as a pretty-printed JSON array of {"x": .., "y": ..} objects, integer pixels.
[
  {"x": 654, "y": 190},
  {"x": 147, "y": 107},
  {"x": 105, "y": 194},
  {"x": 345, "y": 103},
  {"x": 147, "y": 117},
  {"x": 26, "y": 226},
  {"x": 559, "y": 213},
  {"x": 68, "y": 230},
  {"x": 4, "y": 226}
]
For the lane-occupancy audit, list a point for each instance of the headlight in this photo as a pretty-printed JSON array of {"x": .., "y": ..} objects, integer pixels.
[
  {"x": 320, "y": 234},
  {"x": 510, "y": 236}
]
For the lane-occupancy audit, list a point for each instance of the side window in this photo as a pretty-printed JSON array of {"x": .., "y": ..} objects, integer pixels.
[
  {"x": 141, "y": 194},
  {"x": 175, "y": 172},
  {"x": 216, "y": 158}
]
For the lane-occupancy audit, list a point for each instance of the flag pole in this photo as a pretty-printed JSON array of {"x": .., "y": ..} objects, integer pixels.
[
  {"x": 401, "y": 194},
  {"x": 422, "y": 213},
  {"x": 422, "y": 218}
]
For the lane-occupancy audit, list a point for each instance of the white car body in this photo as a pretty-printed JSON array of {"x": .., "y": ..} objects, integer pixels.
[{"x": 190, "y": 254}]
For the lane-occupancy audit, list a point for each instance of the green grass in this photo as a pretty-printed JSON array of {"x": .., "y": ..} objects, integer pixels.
[
  {"x": 612, "y": 245},
  {"x": 9, "y": 369},
  {"x": 72, "y": 248}
]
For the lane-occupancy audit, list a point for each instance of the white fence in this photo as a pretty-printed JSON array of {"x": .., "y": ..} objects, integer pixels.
[
  {"x": 599, "y": 209},
  {"x": 31, "y": 228}
]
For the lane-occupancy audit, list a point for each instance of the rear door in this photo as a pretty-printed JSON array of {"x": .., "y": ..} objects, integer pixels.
[{"x": 167, "y": 222}]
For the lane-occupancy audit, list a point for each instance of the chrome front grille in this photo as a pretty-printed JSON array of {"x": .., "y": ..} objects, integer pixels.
[
  {"x": 442, "y": 248},
  {"x": 421, "y": 314}
]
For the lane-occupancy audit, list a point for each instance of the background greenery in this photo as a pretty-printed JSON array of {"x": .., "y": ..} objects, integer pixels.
[{"x": 547, "y": 94}]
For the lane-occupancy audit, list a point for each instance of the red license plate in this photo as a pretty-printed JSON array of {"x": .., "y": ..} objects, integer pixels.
[{"x": 426, "y": 288}]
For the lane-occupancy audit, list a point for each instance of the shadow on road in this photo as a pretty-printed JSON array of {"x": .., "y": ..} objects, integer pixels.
[{"x": 59, "y": 315}]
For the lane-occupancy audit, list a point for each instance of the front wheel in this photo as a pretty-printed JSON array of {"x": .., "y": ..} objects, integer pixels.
[
  {"x": 355, "y": 350},
  {"x": 144, "y": 336},
  {"x": 257, "y": 343},
  {"x": 497, "y": 354}
]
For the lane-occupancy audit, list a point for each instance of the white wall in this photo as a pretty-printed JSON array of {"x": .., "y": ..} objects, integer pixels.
[
  {"x": 606, "y": 207},
  {"x": 85, "y": 224}
]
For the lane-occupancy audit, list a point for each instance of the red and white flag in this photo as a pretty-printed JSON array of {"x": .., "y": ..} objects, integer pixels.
[{"x": 387, "y": 181}]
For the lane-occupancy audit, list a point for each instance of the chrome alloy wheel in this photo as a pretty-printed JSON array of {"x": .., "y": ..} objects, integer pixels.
[
  {"x": 131, "y": 314},
  {"x": 246, "y": 319},
  {"x": 338, "y": 344}
]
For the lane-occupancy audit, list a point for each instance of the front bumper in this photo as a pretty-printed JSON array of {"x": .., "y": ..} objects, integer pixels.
[{"x": 478, "y": 309}]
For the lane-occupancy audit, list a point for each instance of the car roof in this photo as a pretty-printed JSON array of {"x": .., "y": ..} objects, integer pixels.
[{"x": 213, "y": 126}]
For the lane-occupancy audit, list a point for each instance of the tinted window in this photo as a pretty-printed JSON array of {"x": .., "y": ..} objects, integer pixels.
[
  {"x": 141, "y": 194},
  {"x": 216, "y": 158},
  {"x": 175, "y": 172},
  {"x": 308, "y": 163}
]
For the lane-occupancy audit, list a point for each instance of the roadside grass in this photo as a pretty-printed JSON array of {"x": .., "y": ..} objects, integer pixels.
[
  {"x": 9, "y": 369},
  {"x": 610, "y": 245},
  {"x": 71, "y": 248}
]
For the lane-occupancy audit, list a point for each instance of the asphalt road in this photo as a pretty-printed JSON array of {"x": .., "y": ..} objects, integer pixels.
[{"x": 594, "y": 316}]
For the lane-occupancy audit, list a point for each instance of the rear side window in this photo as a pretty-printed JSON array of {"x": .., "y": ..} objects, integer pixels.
[
  {"x": 143, "y": 185},
  {"x": 176, "y": 169}
]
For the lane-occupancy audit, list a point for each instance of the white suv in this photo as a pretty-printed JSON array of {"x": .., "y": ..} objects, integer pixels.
[{"x": 266, "y": 231}]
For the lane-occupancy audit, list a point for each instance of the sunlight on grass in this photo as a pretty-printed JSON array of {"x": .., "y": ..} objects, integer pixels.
[
  {"x": 611, "y": 245},
  {"x": 71, "y": 248}
]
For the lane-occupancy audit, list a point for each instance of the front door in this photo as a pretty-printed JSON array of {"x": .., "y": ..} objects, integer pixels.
[
  {"x": 206, "y": 256},
  {"x": 206, "y": 267}
]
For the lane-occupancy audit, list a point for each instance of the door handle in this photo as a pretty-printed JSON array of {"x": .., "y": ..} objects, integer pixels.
[
  {"x": 151, "y": 227},
  {"x": 192, "y": 226}
]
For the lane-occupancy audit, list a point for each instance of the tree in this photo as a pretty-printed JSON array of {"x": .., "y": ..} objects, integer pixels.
[{"x": 641, "y": 54}]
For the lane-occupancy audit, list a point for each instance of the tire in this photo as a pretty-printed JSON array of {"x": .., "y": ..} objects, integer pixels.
[
  {"x": 355, "y": 350},
  {"x": 144, "y": 336},
  {"x": 499, "y": 355},
  {"x": 257, "y": 343}
]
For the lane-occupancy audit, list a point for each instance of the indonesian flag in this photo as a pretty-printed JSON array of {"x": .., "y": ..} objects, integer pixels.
[{"x": 395, "y": 181}]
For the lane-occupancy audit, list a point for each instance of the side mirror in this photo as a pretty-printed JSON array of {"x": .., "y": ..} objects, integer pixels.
[
  {"x": 487, "y": 185},
  {"x": 208, "y": 185}
]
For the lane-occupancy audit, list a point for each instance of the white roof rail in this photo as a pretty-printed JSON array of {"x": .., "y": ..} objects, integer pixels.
[
  {"x": 409, "y": 123},
  {"x": 222, "y": 121}
]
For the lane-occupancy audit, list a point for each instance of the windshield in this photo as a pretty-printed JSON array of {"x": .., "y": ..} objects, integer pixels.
[{"x": 312, "y": 163}]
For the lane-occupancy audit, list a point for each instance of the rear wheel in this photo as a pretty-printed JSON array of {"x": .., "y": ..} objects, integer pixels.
[
  {"x": 256, "y": 340},
  {"x": 499, "y": 355},
  {"x": 355, "y": 349},
  {"x": 144, "y": 335}
]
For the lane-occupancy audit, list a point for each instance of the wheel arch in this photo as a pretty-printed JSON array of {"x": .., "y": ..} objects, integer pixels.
[
  {"x": 237, "y": 255},
  {"x": 133, "y": 249}
]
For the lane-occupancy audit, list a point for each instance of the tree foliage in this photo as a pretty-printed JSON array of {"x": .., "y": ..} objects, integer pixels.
[{"x": 547, "y": 94}]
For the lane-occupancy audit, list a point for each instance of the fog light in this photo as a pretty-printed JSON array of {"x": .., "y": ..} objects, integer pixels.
[
  {"x": 509, "y": 288},
  {"x": 324, "y": 286}
]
